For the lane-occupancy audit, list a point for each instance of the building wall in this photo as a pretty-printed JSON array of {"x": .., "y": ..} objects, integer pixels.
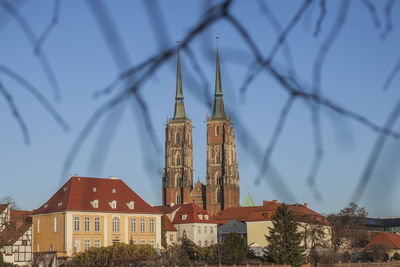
[
  {"x": 74, "y": 241},
  {"x": 44, "y": 236},
  {"x": 201, "y": 237},
  {"x": 172, "y": 237},
  {"x": 20, "y": 253},
  {"x": 256, "y": 232}
]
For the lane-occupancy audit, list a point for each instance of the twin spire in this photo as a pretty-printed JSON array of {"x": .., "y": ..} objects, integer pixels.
[{"x": 218, "y": 110}]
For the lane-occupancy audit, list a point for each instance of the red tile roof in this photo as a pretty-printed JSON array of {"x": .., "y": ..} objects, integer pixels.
[
  {"x": 192, "y": 212},
  {"x": 20, "y": 223},
  {"x": 262, "y": 213},
  {"x": 78, "y": 192},
  {"x": 167, "y": 223},
  {"x": 238, "y": 213},
  {"x": 384, "y": 237},
  {"x": 3, "y": 207},
  {"x": 167, "y": 209}
]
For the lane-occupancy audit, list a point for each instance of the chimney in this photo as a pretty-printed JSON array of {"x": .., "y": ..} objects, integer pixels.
[
  {"x": 113, "y": 177},
  {"x": 305, "y": 204}
]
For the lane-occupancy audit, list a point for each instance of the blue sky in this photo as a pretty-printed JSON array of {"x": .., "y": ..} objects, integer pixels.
[{"x": 353, "y": 75}]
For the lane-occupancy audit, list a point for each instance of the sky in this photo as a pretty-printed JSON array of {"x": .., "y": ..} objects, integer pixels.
[{"x": 354, "y": 72}]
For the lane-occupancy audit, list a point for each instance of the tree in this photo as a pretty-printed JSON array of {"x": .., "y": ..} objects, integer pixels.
[
  {"x": 313, "y": 231},
  {"x": 235, "y": 249},
  {"x": 189, "y": 246},
  {"x": 163, "y": 233},
  {"x": 379, "y": 251},
  {"x": 348, "y": 228},
  {"x": 284, "y": 239}
]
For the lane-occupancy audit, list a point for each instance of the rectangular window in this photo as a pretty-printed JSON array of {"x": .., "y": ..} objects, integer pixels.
[
  {"x": 142, "y": 225},
  {"x": 97, "y": 243},
  {"x": 205, "y": 229},
  {"x": 24, "y": 242},
  {"x": 205, "y": 243},
  {"x": 97, "y": 224},
  {"x": 171, "y": 238},
  {"x": 199, "y": 243},
  {"x": 77, "y": 245},
  {"x": 87, "y": 244},
  {"x": 77, "y": 225},
  {"x": 152, "y": 243},
  {"x": 55, "y": 224},
  {"x": 38, "y": 225},
  {"x": 142, "y": 241},
  {"x": 199, "y": 230},
  {"x": 87, "y": 224},
  {"x": 133, "y": 225},
  {"x": 115, "y": 241},
  {"x": 51, "y": 247},
  {"x": 133, "y": 240},
  {"x": 211, "y": 230}
]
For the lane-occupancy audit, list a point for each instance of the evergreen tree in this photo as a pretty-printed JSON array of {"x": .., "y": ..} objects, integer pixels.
[{"x": 284, "y": 240}]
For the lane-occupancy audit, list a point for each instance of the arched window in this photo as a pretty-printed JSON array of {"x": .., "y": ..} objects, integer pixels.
[
  {"x": 219, "y": 195},
  {"x": 218, "y": 179},
  {"x": 177, "y": 138},
  {"x": 151, "y": 225},
  {"x": 178, "y": 198},
  {"x": 178, "y": 181},
  {"x": 178, "y": 160},
  {"x": 217, "y": 130},
  {"x": 97, "y": 224},
  {"x": 77, "y": 224},
  {"x": 115, "y": 226},
  {"x": 142, "y": 225},
  {"x": 218, "y": 158},
  {"x": 133, "y": 225},
  {"x": 87, "y": 224}
]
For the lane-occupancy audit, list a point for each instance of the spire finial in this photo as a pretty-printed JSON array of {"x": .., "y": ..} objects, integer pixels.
[
  {"x": 218, "y": 111},
  {"x": 179, "y": 106}
]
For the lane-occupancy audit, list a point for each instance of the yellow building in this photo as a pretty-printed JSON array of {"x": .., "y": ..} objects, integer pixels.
[{"x": 94, "y": 212}]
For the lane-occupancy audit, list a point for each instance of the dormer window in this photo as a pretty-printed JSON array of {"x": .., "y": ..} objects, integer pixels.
[
  {"x": 184, "y": 217},
  {"x": 59, "y": 204},
  {"x": 206, "y": 216},
  {"x": 200, "y": 216},
  {"x": 114, "y": 190},
  {"x": 94, "y": 189},
  {"x": 95, "y": 203},
  {"x": 65, "y": 188},
  {"x": 45, "y": 206},
  {"x": 113, "y": 204},
  {"x": 265, "y": 215},
  {"x": 131, "y": 205}
]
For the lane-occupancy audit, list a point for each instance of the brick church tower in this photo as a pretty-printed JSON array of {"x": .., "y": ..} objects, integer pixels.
[
  {"x": 177, "y": 180},
  {"x": 222, "y": 178}
]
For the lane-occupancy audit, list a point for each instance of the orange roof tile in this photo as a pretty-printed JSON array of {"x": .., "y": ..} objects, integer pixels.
[
  {"x": 384, "y": 237},
  {"x": 78, "y": 192},
  {"x": 238, "y": 213},
  {"x": 167, "y": 223},
  {"x": 192, "y": 212}
]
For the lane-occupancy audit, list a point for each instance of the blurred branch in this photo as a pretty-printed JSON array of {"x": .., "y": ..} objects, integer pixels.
[
  {"x": 388, "y": 18},
  {"x": 372, "y": 10},
  {"x": 53, "y": 22},
  {"x": 391, "y": 76},
  {"x": 28, "y": 31},
  {"x": 322, "y": 15},
  {"x": 10, "y": 101}
]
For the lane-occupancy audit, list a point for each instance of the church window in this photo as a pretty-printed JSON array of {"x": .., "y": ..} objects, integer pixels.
[
  {"x": 177, "y": 138},
  {"x": 218, "y": 179},
  {"x": 178, "y": 160},
  {"x": 178, "y": 198},
  {"x": 218, "y": 158},
  {"x": 219, "y": 195},
  {"x": 217, "y": 131},
  {"x": 178, "y": 181}
]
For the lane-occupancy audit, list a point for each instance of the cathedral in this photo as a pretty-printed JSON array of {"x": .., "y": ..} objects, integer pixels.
[{"x": 221, "y": 190}]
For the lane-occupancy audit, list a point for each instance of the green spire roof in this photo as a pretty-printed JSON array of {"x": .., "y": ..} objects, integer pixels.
[
  {"x": 248, "y": 202},
  {"x": 179, "y": 105},
  {"x": 218, "y": 111}
]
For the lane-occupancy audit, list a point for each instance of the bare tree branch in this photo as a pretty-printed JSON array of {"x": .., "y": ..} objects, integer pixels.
[
  {"x": 372, "y": 10},
  {"x": 28, "y": 31},
  {"x": 10, "y": 101},
  {"x": 388, "y": 18},
  {"x": 52, "y": 24},
  {"x": 322, "y": 15},
  {"x": 391, "y": 76}
]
